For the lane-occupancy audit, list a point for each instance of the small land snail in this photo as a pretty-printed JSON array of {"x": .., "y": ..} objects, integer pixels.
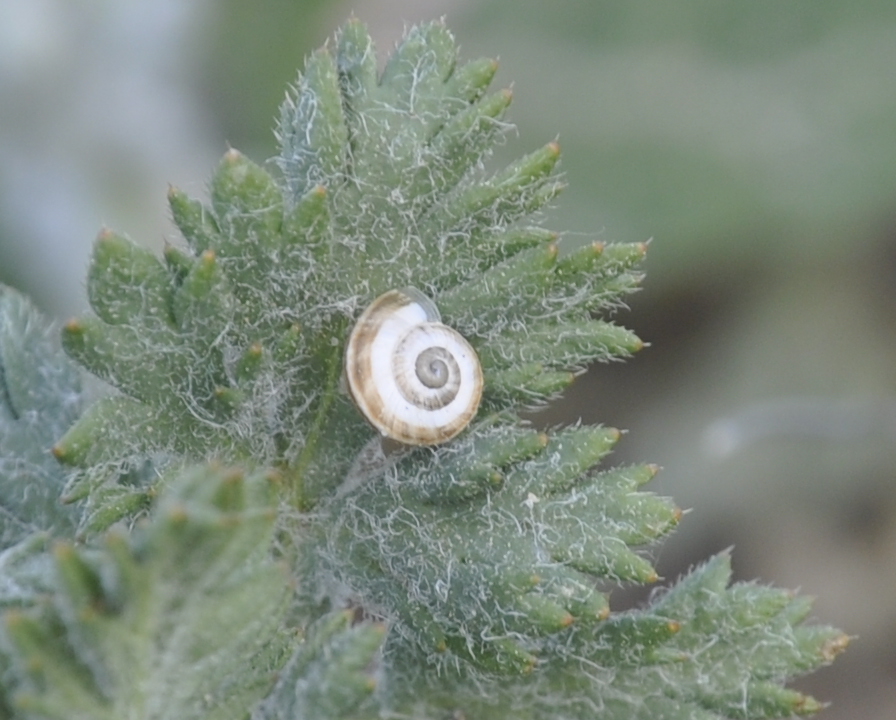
[{"x": 416, "y": 380}]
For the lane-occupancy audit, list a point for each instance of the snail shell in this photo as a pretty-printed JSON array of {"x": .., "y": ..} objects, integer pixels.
[{"x": 416, "y": 380}]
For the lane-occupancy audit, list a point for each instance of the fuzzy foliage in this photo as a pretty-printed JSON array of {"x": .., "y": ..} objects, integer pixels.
[
  {"x": 182, "y": 620},
  {"x": 232, "y": 347},
  {"x": 331, "y": 675},
  {"x": 40, "y": 397},
  {"x": 703, "y": 650},
  {"x": 490, "y": 547},
  {"x": 489, "y": 557},
  {"x": 185, "y": 619}
]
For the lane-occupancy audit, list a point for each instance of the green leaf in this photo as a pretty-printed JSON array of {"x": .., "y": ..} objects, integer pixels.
[
  {"x": 248, "y": 205},
  {"x": 494, "y": 528},
  {"x": 184, "y": 620},
  {"x": 692, "y": 653},
  {"x": 26, "y": 570},
  {"x": 233, "y": 349},
  {"x": 312, "y": 130},
  {"x": 126, "y": 280},
  {"x": 330, "y": 676},
  {"x": 40, "y": 396},
  {"x": 490, "y": 558},
  {"x": 195, "y": 221}
]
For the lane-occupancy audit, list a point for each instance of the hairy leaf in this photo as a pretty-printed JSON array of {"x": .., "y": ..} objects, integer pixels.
[
  {"x": 40, "y": 397},
  {"x": 183, "y": 620},
  {"x": 490, "y": 558}
]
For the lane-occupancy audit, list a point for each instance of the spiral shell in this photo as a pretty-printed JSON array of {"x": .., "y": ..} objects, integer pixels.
[{"x": 414, "y": 379}]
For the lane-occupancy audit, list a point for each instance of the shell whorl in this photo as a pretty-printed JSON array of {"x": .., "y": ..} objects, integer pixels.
[{"x": 414, "y": 379}]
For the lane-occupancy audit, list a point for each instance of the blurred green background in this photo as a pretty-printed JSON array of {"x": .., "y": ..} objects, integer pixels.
[{"x": 754, "y": 142}]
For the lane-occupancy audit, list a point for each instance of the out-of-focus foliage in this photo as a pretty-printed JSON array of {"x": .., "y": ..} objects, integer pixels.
[
  {"x": 183, "y": 619},
  {"x": 40, "y": 396}
]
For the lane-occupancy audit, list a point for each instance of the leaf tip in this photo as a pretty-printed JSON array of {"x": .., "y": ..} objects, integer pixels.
[
  {"x": 73, "y": 327},
  {"x": 63, "y": 551},
  {"x": 232, "y": 156},
  {"x": 178, "y": 514},
  {"x": 833, "y": 647},
  {"x": 104, "y": 235},
  {"x": 807, "y": 705}
]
